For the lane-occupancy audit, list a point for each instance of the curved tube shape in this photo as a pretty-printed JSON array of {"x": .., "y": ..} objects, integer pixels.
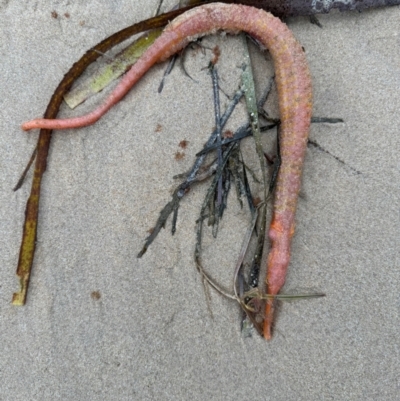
[{"x": 295, "y": 106}]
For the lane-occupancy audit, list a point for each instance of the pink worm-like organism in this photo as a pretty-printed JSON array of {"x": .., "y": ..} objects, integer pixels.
[{"x": 295, "y": 105}]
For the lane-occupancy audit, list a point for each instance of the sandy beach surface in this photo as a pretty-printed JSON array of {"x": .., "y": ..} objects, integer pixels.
[{"x": 101, "y": 324}]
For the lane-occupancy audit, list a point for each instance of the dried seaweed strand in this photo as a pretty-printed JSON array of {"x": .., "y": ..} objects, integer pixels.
[
  {"x": 252, "y": 109},
  {"x": 28, "y": 242},
  {"x": 218, "y": 128},
  {"x": 203, "y": 215},
  {"x": 191, "y": 178}
]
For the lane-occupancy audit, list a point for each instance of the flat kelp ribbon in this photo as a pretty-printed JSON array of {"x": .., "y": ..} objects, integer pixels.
[{"x": 28, "y": 243}]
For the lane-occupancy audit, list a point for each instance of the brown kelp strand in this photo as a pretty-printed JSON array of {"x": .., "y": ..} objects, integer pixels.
[
  {"x": 295, "y": 105},
  {"x": 28, "y": 243}
]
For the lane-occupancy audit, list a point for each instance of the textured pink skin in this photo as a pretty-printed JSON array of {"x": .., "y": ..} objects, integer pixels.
[{"x": 295, "y": 105}]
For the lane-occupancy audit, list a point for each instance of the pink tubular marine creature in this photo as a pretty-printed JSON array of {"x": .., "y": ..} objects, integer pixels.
[{"x": 295, "y": 106}]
